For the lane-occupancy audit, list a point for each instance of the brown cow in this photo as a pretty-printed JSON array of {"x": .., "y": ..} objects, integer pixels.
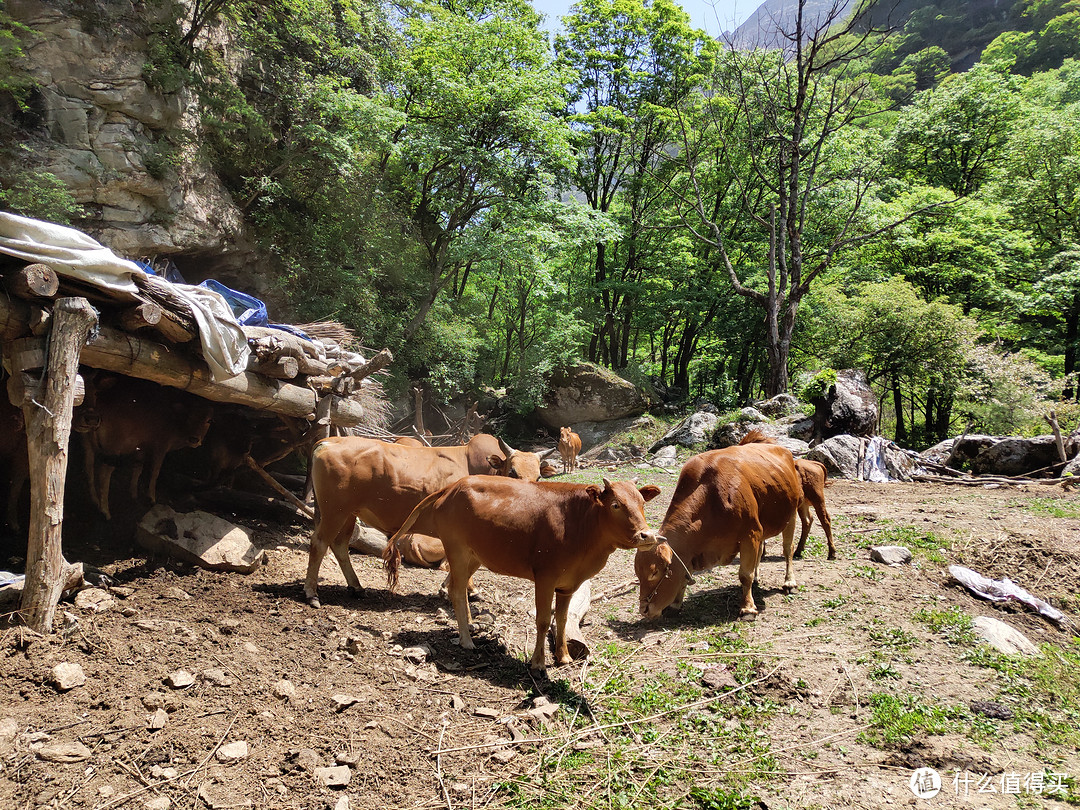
[
  {"x": 726, "y": 503},
  {"x": 569, "y": 447},
  {"x": 13, "y": 455},
  {"x": 140, "y": 418},
  {"x": 381, "y": 483},
  {"x": 814, "y": 478},
  {"x": 555, "y": 534}
]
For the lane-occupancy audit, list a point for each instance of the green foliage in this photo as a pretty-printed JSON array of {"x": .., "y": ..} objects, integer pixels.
[
  {"x": 953, "y": 623},
  {"x": 41, "y": 195},
  {"x": 818, "y": 385},
  {"x": 722, "y": 799},
  {"x": 897, "y": 721},
  {"x": 14, "y": 79}
]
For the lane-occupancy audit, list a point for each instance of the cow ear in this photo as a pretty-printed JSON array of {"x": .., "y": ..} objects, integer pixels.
[
  {"x": 649, "y": 491},
  {"x": 496, "y": 462},
  {"x": 664, "y": 550},
  {"x": 594, "y": 492}
]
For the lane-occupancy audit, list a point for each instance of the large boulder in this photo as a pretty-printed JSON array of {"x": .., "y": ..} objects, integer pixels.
[
  {"x": 970, "y": 446},
  {"x": 588, "y": 393},
  {"x": 848, "y": 408},
  {"x": 597, "y": 433},
  {"x": 863, "y": 459},
  {"x": 199, "y": 538},
  {"x": 1016, "y": 456},
  {"x": 841, "y": 455},
  {"x": 780, "y": 405},
  {"x": 690, "y": 432}
]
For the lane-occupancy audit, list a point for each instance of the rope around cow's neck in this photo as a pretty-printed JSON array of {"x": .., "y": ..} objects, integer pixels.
[{"x": 667, "y": 573}]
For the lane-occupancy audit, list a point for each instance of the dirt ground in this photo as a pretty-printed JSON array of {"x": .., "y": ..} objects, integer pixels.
[{"x": 689, "y": 711}]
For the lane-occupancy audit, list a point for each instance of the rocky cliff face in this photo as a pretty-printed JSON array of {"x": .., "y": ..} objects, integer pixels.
[{"x": 123, "y": 148}]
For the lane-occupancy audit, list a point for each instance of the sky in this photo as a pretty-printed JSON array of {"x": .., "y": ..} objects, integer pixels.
[{"x": 714, "y": 16}]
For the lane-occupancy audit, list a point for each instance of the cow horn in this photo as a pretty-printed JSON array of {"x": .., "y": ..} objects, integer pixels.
[
  {"x": 607, "y": 484},
  {"x": 507, "y": 449}
]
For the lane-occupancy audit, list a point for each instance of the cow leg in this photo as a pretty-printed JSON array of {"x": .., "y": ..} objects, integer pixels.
[
  {"x": 325, "y": 527},
  {"x": 470, "y": 588},
  {"x": 462, "y": 566},
  {"x": 104, "y": 473},
  {"x": 826, "y": 525},
  {"x": 91, "y": 469},
  {"x": 789, "y": 544},
  {"x": 156, "y": 460},
  {"x": 807, "y": 520},
  {"x": 749, "y": 557},
  {"x": 340, "y": 546},
  {"x": 562, "y": 606},
  {"x": 544, "y": 595}
]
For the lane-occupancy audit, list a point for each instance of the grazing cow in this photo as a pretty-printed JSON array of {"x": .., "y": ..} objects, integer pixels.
[
  {"x": 555, "y": 534},
  {"x": 569, "y": 447},
  {"x": 381, "y": 483},
  {"x": 140, "y": 418},
  {"x": 726, "y": 503},
  {"x": 13, "y": 455},
  {"x": 814, "y": 478}
]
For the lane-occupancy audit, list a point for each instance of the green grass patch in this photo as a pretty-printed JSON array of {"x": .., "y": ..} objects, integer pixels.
[
  {"x": 868, "y": 572},
  {"x": 892, "y": 638},
  {"x": 896, "y": 720},
  {"x": 922, "y": 542},
  {"x": 953, "y": 623},
  {"x": 721, "y": 799},
  {"x": 1050, "y": 507}
]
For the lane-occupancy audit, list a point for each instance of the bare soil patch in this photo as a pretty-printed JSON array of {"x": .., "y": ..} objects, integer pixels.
[{"x": 689, "y": 711}]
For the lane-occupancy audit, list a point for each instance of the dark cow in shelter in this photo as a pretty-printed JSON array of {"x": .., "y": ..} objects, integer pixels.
[
  {"x": 726, "y": 503},
  {"x": 555, "y": 534},
  {"x": 381, "y": 483},
  {"x": 131, "y": 417}
]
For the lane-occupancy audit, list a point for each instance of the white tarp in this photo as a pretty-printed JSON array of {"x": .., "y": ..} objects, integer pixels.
[{"x": 74, "y": 254}]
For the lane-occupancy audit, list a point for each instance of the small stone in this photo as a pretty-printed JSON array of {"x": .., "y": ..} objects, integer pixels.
[
  {"x": 228, "y": 626},
  {"x": 343, "y": 803},
  {"x": 221, "y": 797},
  {"x": 157, "y": 720},
  {"x": 457, "y": 702},
  {"x": 122, "y": 591},
  {"x": 106, "y": 791},
  {"x": 484, "y": 711},
  {"x": 418, "y": 655},
  {"x": 284, "y": 689},
  {"x": 251, "y": 648},
  {"x": 890, "y": 555},
  {"x": 543, "y": 709},
  {"x": 159, "y": 700},
  {"x": 181, "y": 679},
  {"x": 459, "y": 788},
  {"x": 67, "y": 676},
  {"x": 516, "y": 734},
  {"x": 64, "y": 752},
  {"x": 350, "y": 758},
  {"x": 176, "y": 593},
  {"x": 308, "y": 759},
  {"x": 216, "y": 676},
  {"x": 338, "y": 776},
  {"x": 158, "y": 803},
  {"x": 232, "y": 752},
  {"x": 988, "y": 708},
  {"x": 128, "y": 612},
  {"x": 1002, "y": 637},
  {"x": 504, "y": 755},
  {"x": 94, "y": 600},
  {"x": 342, "y": 702},
  {"x": 9, "y": 732},
  {"x": 160, "y": 772}
]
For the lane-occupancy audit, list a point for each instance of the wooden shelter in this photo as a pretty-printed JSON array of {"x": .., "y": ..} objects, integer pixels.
[{"x": 52, "y": 325}]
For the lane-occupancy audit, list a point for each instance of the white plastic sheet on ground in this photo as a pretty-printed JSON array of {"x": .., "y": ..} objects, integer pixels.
[
  {"x": 1005, "y": 590},
  {"x": 74, "y": 254}
]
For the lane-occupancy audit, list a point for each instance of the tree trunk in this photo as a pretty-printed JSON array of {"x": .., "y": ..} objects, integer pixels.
[
  {"x": 898, "y": 406},
  {"x": 48, "y": 431},
  {"x": 1072, "y": 327}
]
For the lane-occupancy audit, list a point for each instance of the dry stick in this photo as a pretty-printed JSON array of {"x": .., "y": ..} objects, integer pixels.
[
  {"x": 615, "y": 590},
  {"x": 854, "y": 691},
  {"x": 438, "y": 770},
  {"x": 649, "y": 718},
  {"x": 125, "y": 799},
  {"x": 213, "y": 750},
  {"x": 278, "y": 488}
]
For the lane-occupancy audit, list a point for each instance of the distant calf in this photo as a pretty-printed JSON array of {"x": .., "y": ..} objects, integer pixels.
[
  {"x": 555, "y": 534},
  {"x": 814, "y": 479},
  {"x": 569, "y": 447},
  {"x": 131, "y": 417}
]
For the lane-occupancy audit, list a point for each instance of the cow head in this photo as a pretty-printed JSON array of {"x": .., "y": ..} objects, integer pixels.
[
  {"x": 565, "y": 433},
  {"x": 623, "y": 520},
  {"x": 662, "y": 578},
  {"x": 516, "y": 464},
  {"x": 193, "y": 417}
]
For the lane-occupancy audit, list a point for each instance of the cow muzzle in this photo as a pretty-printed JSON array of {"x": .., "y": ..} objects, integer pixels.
[{"x": 647, "y": 539}]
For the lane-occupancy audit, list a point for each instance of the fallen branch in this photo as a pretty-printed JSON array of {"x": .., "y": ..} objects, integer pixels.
[
  {"x": 983, "y": 480},
  {"x": 278, "y": 488}
]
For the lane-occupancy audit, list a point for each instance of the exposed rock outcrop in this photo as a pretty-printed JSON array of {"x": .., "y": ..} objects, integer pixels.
[
  {"x": 588, "y": 393},
  {"x": 849, "y": 407},
  {"x": 692, "y": 431}
]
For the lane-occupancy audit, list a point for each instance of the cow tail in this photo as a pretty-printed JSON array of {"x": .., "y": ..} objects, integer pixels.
[{"x": 392, "y": 553}]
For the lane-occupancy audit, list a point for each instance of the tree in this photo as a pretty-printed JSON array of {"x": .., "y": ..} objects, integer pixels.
[
  {"x": 772, "y": 140},
  {"x": 629, "y": 60},
  {"x": 480, "y": 103}
]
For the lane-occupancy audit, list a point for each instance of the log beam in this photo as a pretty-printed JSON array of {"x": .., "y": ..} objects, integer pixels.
[
  {"x": 48, "y": 431},
  {"x": 33, "y": 282}
]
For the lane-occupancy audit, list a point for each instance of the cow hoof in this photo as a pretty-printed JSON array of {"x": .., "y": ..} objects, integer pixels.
[
  {"x": 797, "y": 555},
  {"x": 314, "y": 601},
  {"x": 747, "y": 616},
  {"x": 357, "y": 593},
  {"x": 832, "y": 555},
  {"x": 466, "y": 644},
  {"x": 789, "y": 588}
]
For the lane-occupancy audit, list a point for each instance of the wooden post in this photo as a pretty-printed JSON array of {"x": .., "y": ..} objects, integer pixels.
[
  {"x": 33, "y": 281},
  {"x": 1051, "y": 419},
  {"x": 48, "y": 429},
  {"x": 418, "y": 405}
]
